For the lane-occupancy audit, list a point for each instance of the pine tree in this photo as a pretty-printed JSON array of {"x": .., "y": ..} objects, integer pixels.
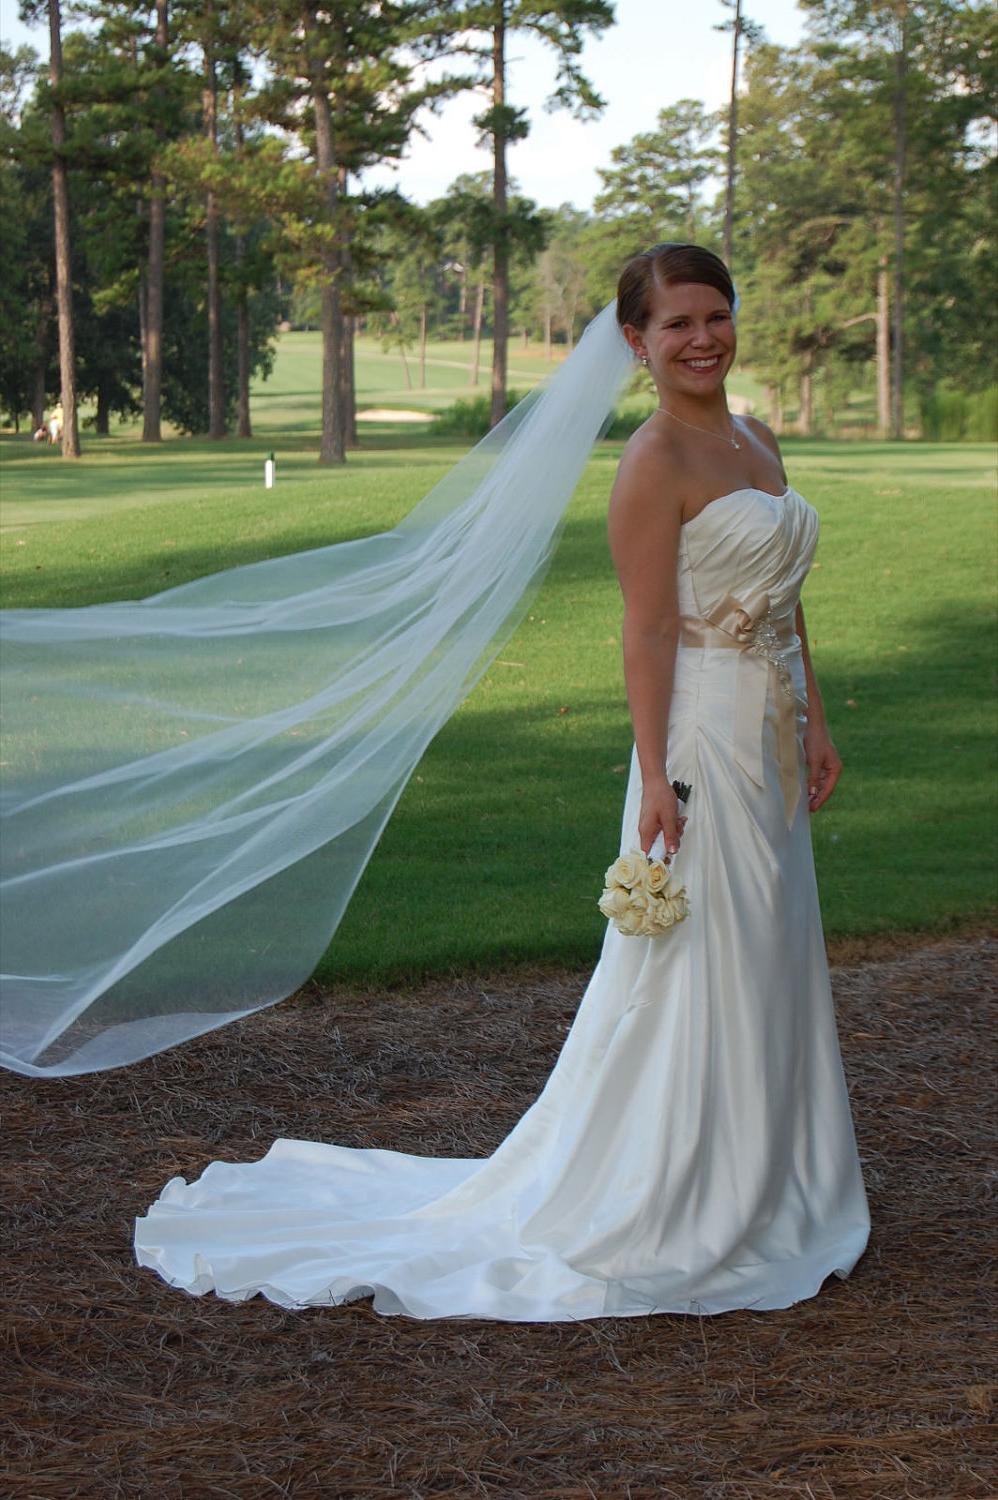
[
  {"x": 481, "y": 30},
  {"x": 348, "y": 66}
]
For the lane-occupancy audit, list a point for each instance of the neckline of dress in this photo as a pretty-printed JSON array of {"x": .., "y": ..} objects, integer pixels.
[{"x": 745, "y": 489}]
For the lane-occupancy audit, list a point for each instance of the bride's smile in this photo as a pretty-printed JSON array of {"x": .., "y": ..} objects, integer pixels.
[{"x": 689, "y": 340}]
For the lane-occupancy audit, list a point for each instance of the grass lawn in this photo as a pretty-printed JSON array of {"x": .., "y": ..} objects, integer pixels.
[{"x": 521, "y": 792}]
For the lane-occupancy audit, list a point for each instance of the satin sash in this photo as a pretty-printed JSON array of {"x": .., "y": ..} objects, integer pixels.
[{"x": 747, "y": 626}]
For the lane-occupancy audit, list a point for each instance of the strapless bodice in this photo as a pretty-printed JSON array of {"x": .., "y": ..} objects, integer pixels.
[
  {"x": 742, "y": 561},
  {"x": 746, "y": 543}
]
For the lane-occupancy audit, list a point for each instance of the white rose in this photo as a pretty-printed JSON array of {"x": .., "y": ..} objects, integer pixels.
[
  {"x": 631, "y": 921},
  {"x": 614, "y": 902},
  {"x": 628, "y": 871}
]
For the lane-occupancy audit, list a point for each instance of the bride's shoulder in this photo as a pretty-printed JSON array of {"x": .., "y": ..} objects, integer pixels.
[
  {"x": 646, "y": 451},
  {"x": 766, "y": 437},
  {"x": 758, "y": 429},
  {"x": 647, "y": 464}
]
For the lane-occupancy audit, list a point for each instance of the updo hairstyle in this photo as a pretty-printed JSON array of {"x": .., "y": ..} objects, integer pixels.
[{"x": 667, "y": 265}]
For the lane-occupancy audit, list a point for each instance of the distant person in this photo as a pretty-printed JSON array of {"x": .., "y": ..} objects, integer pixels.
[{"x": 55, "y": 423}]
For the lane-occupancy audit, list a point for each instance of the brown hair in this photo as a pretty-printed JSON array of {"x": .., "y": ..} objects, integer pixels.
[{"x": 666, "y": 265}]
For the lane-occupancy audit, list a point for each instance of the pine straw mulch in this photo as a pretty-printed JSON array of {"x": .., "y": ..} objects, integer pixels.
[{"x": 120, "y": 1386}]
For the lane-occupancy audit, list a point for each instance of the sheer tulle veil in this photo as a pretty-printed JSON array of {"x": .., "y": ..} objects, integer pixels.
[{"x": 194, "y": 782}]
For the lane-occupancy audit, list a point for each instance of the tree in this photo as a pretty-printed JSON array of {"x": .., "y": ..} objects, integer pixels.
[
  {"x": 31, "y": 11},
  {"x": 908, "y": 88},
  {"x": 351, "y": 67},
  {"x": 411, "y": 264},
  {"x": 26, "y": 214},
  {"x": 481, "y": 29},
  {"x": 555, "y": 292},
  {"x": 466, "y": 219},
  {"x": 739, "y": 26},
  {"x": 656, "y": 180},
  {"x": 151, "y": 290}
]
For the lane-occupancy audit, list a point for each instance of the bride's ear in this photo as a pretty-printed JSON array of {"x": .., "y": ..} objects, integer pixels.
[{"x": 635, "y": 340}]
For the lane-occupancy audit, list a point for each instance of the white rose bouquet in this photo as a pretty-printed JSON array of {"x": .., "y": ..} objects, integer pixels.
[{"x": 641, "y": 898}]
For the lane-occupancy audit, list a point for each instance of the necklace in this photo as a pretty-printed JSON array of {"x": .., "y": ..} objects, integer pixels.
[{"x": 731, "y": 439}]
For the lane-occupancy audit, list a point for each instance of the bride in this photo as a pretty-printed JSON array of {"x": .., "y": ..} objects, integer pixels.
[{"x": 692, "y": 1150}]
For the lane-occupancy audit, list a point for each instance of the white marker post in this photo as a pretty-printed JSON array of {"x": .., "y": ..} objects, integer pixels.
[{"x": 268, "y": 473}]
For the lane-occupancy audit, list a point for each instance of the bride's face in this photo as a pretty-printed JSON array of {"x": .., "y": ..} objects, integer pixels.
[{"x": 689, "y": 338}]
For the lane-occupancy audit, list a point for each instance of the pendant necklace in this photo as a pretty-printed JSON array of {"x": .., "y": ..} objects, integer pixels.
[{"x": 732, "y": 439}]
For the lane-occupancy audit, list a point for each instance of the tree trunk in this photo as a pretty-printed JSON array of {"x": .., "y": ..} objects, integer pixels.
[
  {"x": 63, "y": 266},
  {"x": 332, "y": 449},
  {"x": 348, "y": 377},
  {"x": 348, "y": 388},
  {"x": 773, "y": 404},
  {"x": 729, "y": 191},
  {"x": 216, "y": 389},
  {"x": 38, "y": 399},
  {"x": 422, "y": 347},
  {"x": 900, "y": 150},
  {"x": 143, "y": 301},
  {"x": 152, "y": 364},
  {"x": 103, "y": 424},
  {"x": 405, "y": 366},
  {"x": 548, "y": 350},
  {"x": 477, "y": 346},
  {"x": 244, "y": 427},
  {"x": 883, "y": 349},
  {"x": 500, "y": 249},
  {"x": 805, "y": 416},
  {"x": 41, "y": 364}
]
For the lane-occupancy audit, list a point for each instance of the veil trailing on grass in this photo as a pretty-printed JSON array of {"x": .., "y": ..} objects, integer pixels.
[{"x": 193, "y": 783}]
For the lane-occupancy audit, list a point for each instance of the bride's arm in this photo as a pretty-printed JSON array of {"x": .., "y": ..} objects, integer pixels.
[
  {"x": 644, "y": 541},
  {"x": 824, "y": 767}
]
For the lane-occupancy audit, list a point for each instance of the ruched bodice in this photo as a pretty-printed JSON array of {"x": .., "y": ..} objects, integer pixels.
[
  {"x": 743, "y": 542},
  {"x": 742, "y": 561}
]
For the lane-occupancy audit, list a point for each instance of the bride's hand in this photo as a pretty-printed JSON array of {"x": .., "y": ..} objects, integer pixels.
[
  {"x": 824, "y": 766},
  {"x": 660, "y": 810}
]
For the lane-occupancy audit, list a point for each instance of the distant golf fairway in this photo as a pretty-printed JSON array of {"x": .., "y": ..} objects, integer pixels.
[{"x": 496, "y": 850}]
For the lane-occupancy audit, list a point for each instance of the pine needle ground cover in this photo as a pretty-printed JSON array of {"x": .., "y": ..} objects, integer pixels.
[
  {"x": 495, "y": 853},
  {"x": 879, "y": 1388}
]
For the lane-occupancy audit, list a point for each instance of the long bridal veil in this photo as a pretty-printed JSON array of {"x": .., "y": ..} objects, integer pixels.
[{"x": 194, "y": 782}]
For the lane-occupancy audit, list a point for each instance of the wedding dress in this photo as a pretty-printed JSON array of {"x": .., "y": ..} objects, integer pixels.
[{"x": 693, "y": 1149}]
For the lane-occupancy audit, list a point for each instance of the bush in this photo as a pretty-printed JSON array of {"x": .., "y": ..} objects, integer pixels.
[
  {"x": 470, "y": 417},
  {"x": 950, "y": 416},
  {"x": 623, "y": 423}
]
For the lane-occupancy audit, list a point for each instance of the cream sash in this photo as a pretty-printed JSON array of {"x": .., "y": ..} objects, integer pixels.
[{"x": 747, "y": 625}]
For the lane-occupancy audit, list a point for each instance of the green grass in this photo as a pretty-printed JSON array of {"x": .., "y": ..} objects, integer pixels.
[{"x": 495, "y": 850}]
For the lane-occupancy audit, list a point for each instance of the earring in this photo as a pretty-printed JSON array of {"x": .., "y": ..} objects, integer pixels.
[{"x": 644, "y": 360}]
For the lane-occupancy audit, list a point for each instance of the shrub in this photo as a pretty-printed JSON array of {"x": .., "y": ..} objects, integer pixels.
[
  {"x": 950, "y": 416},
  {"x": 623, "y": 423},
  {"x": 470, "y": 416}
]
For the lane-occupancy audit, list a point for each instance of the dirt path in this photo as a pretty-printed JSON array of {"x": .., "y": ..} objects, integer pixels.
[{"x": 119, "y": 1386}]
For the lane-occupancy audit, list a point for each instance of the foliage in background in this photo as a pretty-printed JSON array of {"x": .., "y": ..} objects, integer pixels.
[
  {"x": 471, "y": 417},
  {"x": 881, "y": 119}
]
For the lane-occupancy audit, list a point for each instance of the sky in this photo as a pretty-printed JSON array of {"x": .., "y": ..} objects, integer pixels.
[{"x": 658, "y": 52}]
